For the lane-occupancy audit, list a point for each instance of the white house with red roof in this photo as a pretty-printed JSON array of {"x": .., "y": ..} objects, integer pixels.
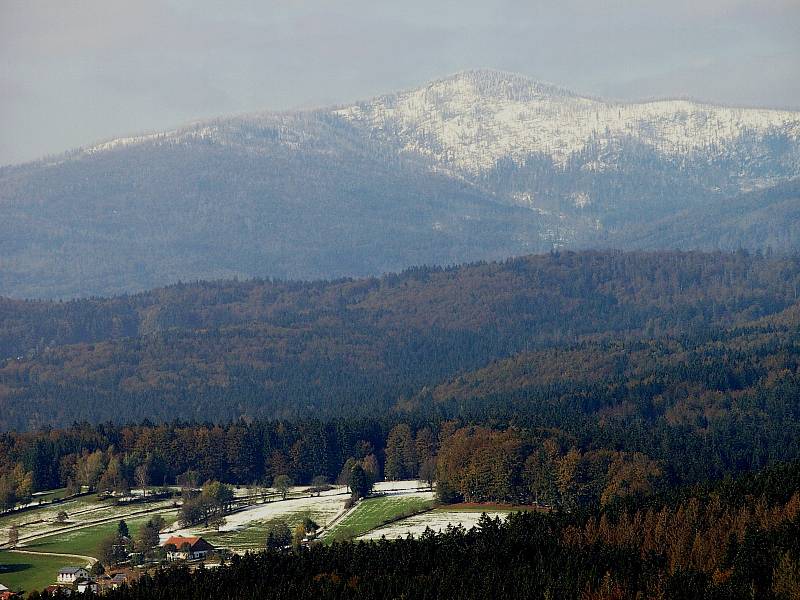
[{"x": 187, "y": 548}]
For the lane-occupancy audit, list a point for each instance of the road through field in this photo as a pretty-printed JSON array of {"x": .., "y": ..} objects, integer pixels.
[
  {"x": 24, "y": 539},
  {"x": 89, "y": 559}
]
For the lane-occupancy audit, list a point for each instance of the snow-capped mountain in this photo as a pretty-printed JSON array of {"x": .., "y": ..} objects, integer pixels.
[
  {"x": 475, "y": 119},
  {"x": 479, "y": 165}
]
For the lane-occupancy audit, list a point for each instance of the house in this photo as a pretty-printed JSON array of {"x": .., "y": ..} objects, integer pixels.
[
  {"x": 187, "y": 548},
  {"x": 112, "y": 582},
  {"x": 84, "y": 585},
  {"x": 72, "y": 574}
]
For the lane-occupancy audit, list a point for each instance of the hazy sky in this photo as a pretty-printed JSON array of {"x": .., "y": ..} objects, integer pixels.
[{"x": 74, "y": 72}]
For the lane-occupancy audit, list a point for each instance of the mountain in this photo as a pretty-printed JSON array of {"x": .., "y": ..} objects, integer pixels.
[
  {"x": 474, "y": 120},
  {"x": 478, "y": 166},
  {"x": 615, "y": 165},
  {"x": 227, "y": 350},
  {"x": 766, "y": 218},
  {"x": 291, "y": 196}
]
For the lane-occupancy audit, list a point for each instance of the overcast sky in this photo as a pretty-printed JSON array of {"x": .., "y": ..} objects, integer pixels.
[{"x": 74, "y": 72}]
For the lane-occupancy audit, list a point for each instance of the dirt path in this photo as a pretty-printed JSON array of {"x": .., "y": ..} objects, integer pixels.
[
  {"x": 89, "y": 559},
  {"x": 323, "y": 531},
  {"x": 23, "y": 539}
]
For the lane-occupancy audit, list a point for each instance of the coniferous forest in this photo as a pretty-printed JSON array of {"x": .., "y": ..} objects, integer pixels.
[
  {"x": 647, "y": 403},
  {"x": 738, "y": 538},
  {"x": 341, "y": 301}
]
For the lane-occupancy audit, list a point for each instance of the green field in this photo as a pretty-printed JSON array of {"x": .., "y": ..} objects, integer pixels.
[
  {"x": 28, "y": 572},
  {"x": 374, "y": 512},
  {"x": 86, "y": 542},
  {"x": 41, "y": 519},
  {"x": 253, "y": 535}
]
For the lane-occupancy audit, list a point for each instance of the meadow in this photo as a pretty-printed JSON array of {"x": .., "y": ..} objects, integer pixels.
[
  {"x": 374, "y": 512},
  {"x": 87, "y": 541},
  {"x": 30, "y": 572}
]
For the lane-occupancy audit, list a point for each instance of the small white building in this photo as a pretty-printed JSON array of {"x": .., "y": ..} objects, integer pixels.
[{"x": 72, "y": 574}]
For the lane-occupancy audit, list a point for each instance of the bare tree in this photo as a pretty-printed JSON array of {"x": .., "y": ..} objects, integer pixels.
[
  {"x": 142, "y": 478},
  {"x": 13, "y": 536},
  {"x": 282, "y": 484}
]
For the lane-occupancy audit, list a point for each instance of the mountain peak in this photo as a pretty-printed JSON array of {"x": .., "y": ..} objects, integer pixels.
[
  {"x": 493, "y": 82},
  {"x": 472, "y": 120}
]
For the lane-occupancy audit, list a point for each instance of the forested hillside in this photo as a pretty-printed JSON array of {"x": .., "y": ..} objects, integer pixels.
[
  {"x": 481, "y": 165},
  {"x": 224, "y": 350},
  {"x": 302, "y": 196},
  {"x": 631, "y": 396},
  {"x": 735, "y": 539},
  {"x": 765, "y": 218}
]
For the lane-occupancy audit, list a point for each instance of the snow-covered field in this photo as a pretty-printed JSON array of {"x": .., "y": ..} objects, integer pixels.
[
  {"x": 409, "y": 487},
  {"x": 246, "y": 529},
  {"x": 42, "y": 521},
  {"x": 437, "y": 520},
  {"x": 321, "y": 508}
]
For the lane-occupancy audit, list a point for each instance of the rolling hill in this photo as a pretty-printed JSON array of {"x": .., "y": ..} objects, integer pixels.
[{"x": 227, "y": 350}]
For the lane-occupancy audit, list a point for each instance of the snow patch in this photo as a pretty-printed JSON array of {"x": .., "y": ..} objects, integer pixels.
[{"x": 473, "y": 120}]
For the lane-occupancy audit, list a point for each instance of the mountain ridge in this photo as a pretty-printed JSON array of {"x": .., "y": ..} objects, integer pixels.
[
  {"x": 479, "y": 165},
  {"x": 556, "y": 89}
]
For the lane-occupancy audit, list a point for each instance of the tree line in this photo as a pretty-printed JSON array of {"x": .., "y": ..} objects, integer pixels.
[
  {"x": 507, "y": 461},
  {"x": 739, "y": 538}
]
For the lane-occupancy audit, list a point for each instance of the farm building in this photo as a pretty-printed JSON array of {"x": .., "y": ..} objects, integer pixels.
[
  {"x": 54, "y": 589},
  {"x": 72, "y": 574},
  {"x": 187, "y": 548},
  {"x": 84, "y": 585},
  {"x": 112, "y": 582}
]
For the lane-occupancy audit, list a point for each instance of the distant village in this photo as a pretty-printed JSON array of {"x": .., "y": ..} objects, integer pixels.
[
  {"x": 94, "y": 579},
  {"x": 124, "y": 556}
]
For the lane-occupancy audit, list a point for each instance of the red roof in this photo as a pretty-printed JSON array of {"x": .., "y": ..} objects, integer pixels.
[
  {"x": 196, "y": 543},
  {"x": 179, "y": 540}
]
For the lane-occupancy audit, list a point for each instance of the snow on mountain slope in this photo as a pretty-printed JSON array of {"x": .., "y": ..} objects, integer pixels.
[
  {"x": 473, "y": 119},
  {"x": 469, "y": 121},
  {"x": 478, "y": 166}
]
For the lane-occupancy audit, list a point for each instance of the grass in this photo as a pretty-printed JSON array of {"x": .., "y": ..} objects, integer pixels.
[
  {"x": 253, "y": 535},
  {"x": 41, "y": 517},
  {"x": 374, "y": 512},
  {"x": 41, "y": 520},
  {"x": 29, "y": 572},
  {"x": 86, "y": 542}
]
